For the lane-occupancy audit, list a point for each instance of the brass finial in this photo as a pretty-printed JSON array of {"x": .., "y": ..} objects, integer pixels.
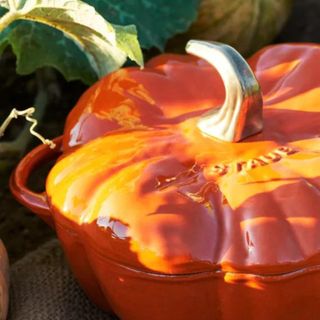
[{"x": 240, "y": 115}]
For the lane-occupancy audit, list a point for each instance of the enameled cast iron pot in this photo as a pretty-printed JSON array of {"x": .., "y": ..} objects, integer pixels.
[{"x": 169, "y": 206}]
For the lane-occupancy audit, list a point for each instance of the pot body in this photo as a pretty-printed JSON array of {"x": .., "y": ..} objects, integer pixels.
[
  {"x": 261, "y": 231},
  {"x": 135, "y": 295}
]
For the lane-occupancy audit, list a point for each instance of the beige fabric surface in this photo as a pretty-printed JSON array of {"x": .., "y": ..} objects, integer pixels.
[{"x": 43, "y": 288}]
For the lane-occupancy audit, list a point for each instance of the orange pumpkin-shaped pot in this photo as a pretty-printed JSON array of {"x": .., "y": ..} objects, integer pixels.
[{"x": 169, "y": 206}]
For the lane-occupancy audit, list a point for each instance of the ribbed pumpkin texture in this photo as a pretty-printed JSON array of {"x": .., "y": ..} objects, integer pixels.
[{"x": 247, "y": 25}]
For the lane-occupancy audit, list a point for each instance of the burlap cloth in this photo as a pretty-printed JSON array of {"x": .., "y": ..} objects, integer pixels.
[{"x": 43, "y": 288}]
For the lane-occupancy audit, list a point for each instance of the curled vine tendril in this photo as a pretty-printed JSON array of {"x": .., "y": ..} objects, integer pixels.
[{"x": 14, "y": 114}]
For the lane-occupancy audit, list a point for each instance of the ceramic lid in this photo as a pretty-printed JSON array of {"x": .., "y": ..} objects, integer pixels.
[{"x": 144, "y": 187}]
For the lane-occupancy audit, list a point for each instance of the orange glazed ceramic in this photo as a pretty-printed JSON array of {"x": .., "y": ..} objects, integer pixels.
[{"x": 161, "y": 218}]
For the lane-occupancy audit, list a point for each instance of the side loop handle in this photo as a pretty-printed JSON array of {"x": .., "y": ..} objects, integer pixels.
[
  {"x": 241, "y": 114},
  {"x": 36, "y": 202}
]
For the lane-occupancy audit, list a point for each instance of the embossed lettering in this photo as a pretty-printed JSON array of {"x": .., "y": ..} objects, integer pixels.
[{"x": 244, "y": 166}]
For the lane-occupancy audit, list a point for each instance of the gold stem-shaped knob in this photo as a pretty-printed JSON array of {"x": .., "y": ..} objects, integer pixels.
[{"x": 240, "y": 115}]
